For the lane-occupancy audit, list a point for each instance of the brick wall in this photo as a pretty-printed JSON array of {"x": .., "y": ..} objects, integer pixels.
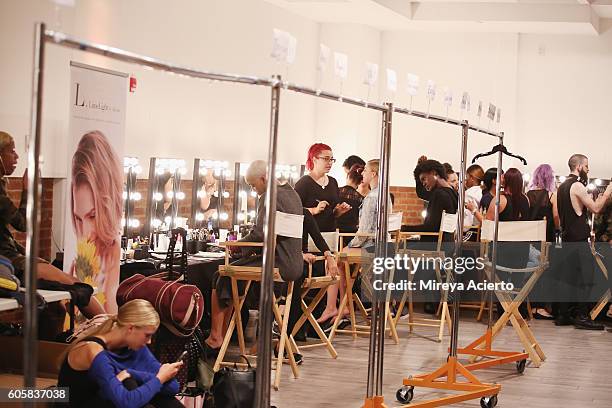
[
  {"x": 14, "y": 188},
  {"x": 407, "y": 202}
]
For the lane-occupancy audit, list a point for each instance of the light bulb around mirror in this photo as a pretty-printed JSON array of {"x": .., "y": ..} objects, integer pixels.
[
  {"x": 253, "y": 193},
  {"x": 124, "y": 195},
  {"x": 598, "y": 182},
  {"x": 223, "y": 216},
  {"x": 167, "y": 220},
  {"x": 424, "y": 213},
  {"x": 240, "y": 216},
  {"x": 226, "y": 194},
  {"x": 136, "y": 196},
  {"x": 170, "y": 194},
  {"x": 199, "y": 216},
  {"x": 180, "y": 195},
  {"x": 158, "y": 196},
  {"x": 156, "y": 223}
]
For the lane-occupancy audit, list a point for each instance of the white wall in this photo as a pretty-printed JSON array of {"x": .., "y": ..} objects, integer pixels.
[
  {"x": 482, "y": 65},
  {"x": 564, "y": 98},
  {"x": 346, "y": 128},
  {"x": 552, "y": 104},
  {"x": 168, "y": 116}
]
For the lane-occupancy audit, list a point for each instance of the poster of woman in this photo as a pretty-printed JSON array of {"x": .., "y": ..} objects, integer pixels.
[{"x": 94, "y": 189}]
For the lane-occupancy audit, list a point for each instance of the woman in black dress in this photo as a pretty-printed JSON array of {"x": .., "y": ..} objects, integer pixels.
[
  {"x": 349, "y": 194},
  {"x": 321, "y": 196}
]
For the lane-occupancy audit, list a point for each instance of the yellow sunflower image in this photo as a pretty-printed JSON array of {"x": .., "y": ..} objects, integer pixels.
[
  {"x": 100, "y": 295},
  {"x": 87, "y": 262}
]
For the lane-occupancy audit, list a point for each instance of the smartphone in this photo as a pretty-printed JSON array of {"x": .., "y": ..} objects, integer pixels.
[{"x": 182, "y": 356}]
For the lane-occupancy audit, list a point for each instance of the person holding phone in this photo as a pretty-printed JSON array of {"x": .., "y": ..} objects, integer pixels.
[{"x": 109, "y": 365}]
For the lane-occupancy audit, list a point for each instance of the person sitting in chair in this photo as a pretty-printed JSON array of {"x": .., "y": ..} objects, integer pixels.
[{"x": 288, "y": 258}]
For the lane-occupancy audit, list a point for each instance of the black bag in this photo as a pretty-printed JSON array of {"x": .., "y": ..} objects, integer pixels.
[{"x": 234, "y": 388}]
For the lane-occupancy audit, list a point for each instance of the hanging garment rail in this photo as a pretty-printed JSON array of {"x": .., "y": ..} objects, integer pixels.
[
  {"x": 69, "y": 41},
  {"x": 65, "y": 40}
]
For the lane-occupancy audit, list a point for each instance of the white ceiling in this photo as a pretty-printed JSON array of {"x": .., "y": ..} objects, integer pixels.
[{"x": 517, "y": 16}]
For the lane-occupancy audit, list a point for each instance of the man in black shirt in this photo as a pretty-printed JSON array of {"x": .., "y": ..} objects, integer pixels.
[{"x": 573, "y": 201}]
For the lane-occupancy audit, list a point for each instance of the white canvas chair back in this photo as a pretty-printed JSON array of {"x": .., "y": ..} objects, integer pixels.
[
  {"x": 331, "y": 238},
  {"x": 394, "y": 222},
  {"x": 514, "y": 231},
  {"x": 448, "y": 222},
  {"x": 289, "y": 225}
]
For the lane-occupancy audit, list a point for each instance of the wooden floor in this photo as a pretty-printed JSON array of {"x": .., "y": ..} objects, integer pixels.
[{"x": 577, "y": 372}]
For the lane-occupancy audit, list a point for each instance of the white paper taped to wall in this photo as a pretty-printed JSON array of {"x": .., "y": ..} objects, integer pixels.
[
  {"x": 491, "y": 113},
  {"x": 391, "y": 80},
  {"x": 289, "y": 225},
  {"x": 465, "y": 102},
  {"x": 340, "y": 65},
  {"x": 413, "y": 84},
  {"x": 431, "y": 90},
  {"x": 291, "y": 49},
  {"x": 371, "y": 74},
  {"x": 324, "y": 53},
  {"x": 448, "y": 97},
  {"x": 280, "y": 45}
]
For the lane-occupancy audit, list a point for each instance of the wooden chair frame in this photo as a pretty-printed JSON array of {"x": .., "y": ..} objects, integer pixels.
[
  {"x": 320, "y": 284},
  {"x": 443, "y": 309},
  {"x": 251, "y": 274},
  {"x": 355, "y": 257},
  {"x": 482, "y": 347}
]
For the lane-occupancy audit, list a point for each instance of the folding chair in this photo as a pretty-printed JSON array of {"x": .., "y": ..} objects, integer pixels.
[
  {"x": 468, "y": 243},
  {"x": 287, "y": 225},
  {"x": 320, "y": 284},
  {"x": 511, "y": 231},
  {"x": 363, "y": 263},
  {"x": 605, "y": 298},
  {"x": 447, "y": 225}
]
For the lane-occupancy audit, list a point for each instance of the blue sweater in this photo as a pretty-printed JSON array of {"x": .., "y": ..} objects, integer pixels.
[{"x": 141, "y": 365}]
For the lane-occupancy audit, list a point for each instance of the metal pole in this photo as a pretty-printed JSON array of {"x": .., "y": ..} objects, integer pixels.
[
  {"x": 30, "y": 357},
  {"x": 374, "y": 319},
  {"x": 496, "y": 227},
  {"x": 264, "y": 342},
  {"x": 465, "y": 127},
  {"x": 381, "y": 238}
]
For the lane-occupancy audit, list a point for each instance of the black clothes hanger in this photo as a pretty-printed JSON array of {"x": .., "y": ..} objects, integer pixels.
[{"x": 496, "y": 149}]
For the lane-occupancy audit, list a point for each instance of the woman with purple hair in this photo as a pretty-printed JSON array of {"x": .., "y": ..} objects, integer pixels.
[
  {"x": 543, "y": 203},
  {"x": 543, "y": 199}
]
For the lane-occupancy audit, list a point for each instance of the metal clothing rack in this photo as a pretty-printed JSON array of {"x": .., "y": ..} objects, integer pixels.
[{"x": 276, "y": 85}]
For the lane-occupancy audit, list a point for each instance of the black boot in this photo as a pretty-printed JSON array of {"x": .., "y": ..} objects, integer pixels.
[
  {"x": 584, "y": 322},
  {"x": 563, "y": 320}
]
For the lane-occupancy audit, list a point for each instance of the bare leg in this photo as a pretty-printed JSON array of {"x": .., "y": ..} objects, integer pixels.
[
  {"x": 218, "y": 317},
  {"x": 331, "y": 309},
  {"x": 51, "y": 273}
]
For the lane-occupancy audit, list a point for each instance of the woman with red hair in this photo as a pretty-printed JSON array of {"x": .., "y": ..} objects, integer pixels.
[
  {"x": 321, "y": 196},
  {"x": 318, "y": 191}
]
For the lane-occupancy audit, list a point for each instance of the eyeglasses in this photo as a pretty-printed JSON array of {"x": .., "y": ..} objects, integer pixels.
[{"x": 327, "y": 159}]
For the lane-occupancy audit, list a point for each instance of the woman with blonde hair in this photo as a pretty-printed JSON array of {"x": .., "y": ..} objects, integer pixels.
[
  {"x": 110, "y": 364},
  {"x": 97, "y": 184}
]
